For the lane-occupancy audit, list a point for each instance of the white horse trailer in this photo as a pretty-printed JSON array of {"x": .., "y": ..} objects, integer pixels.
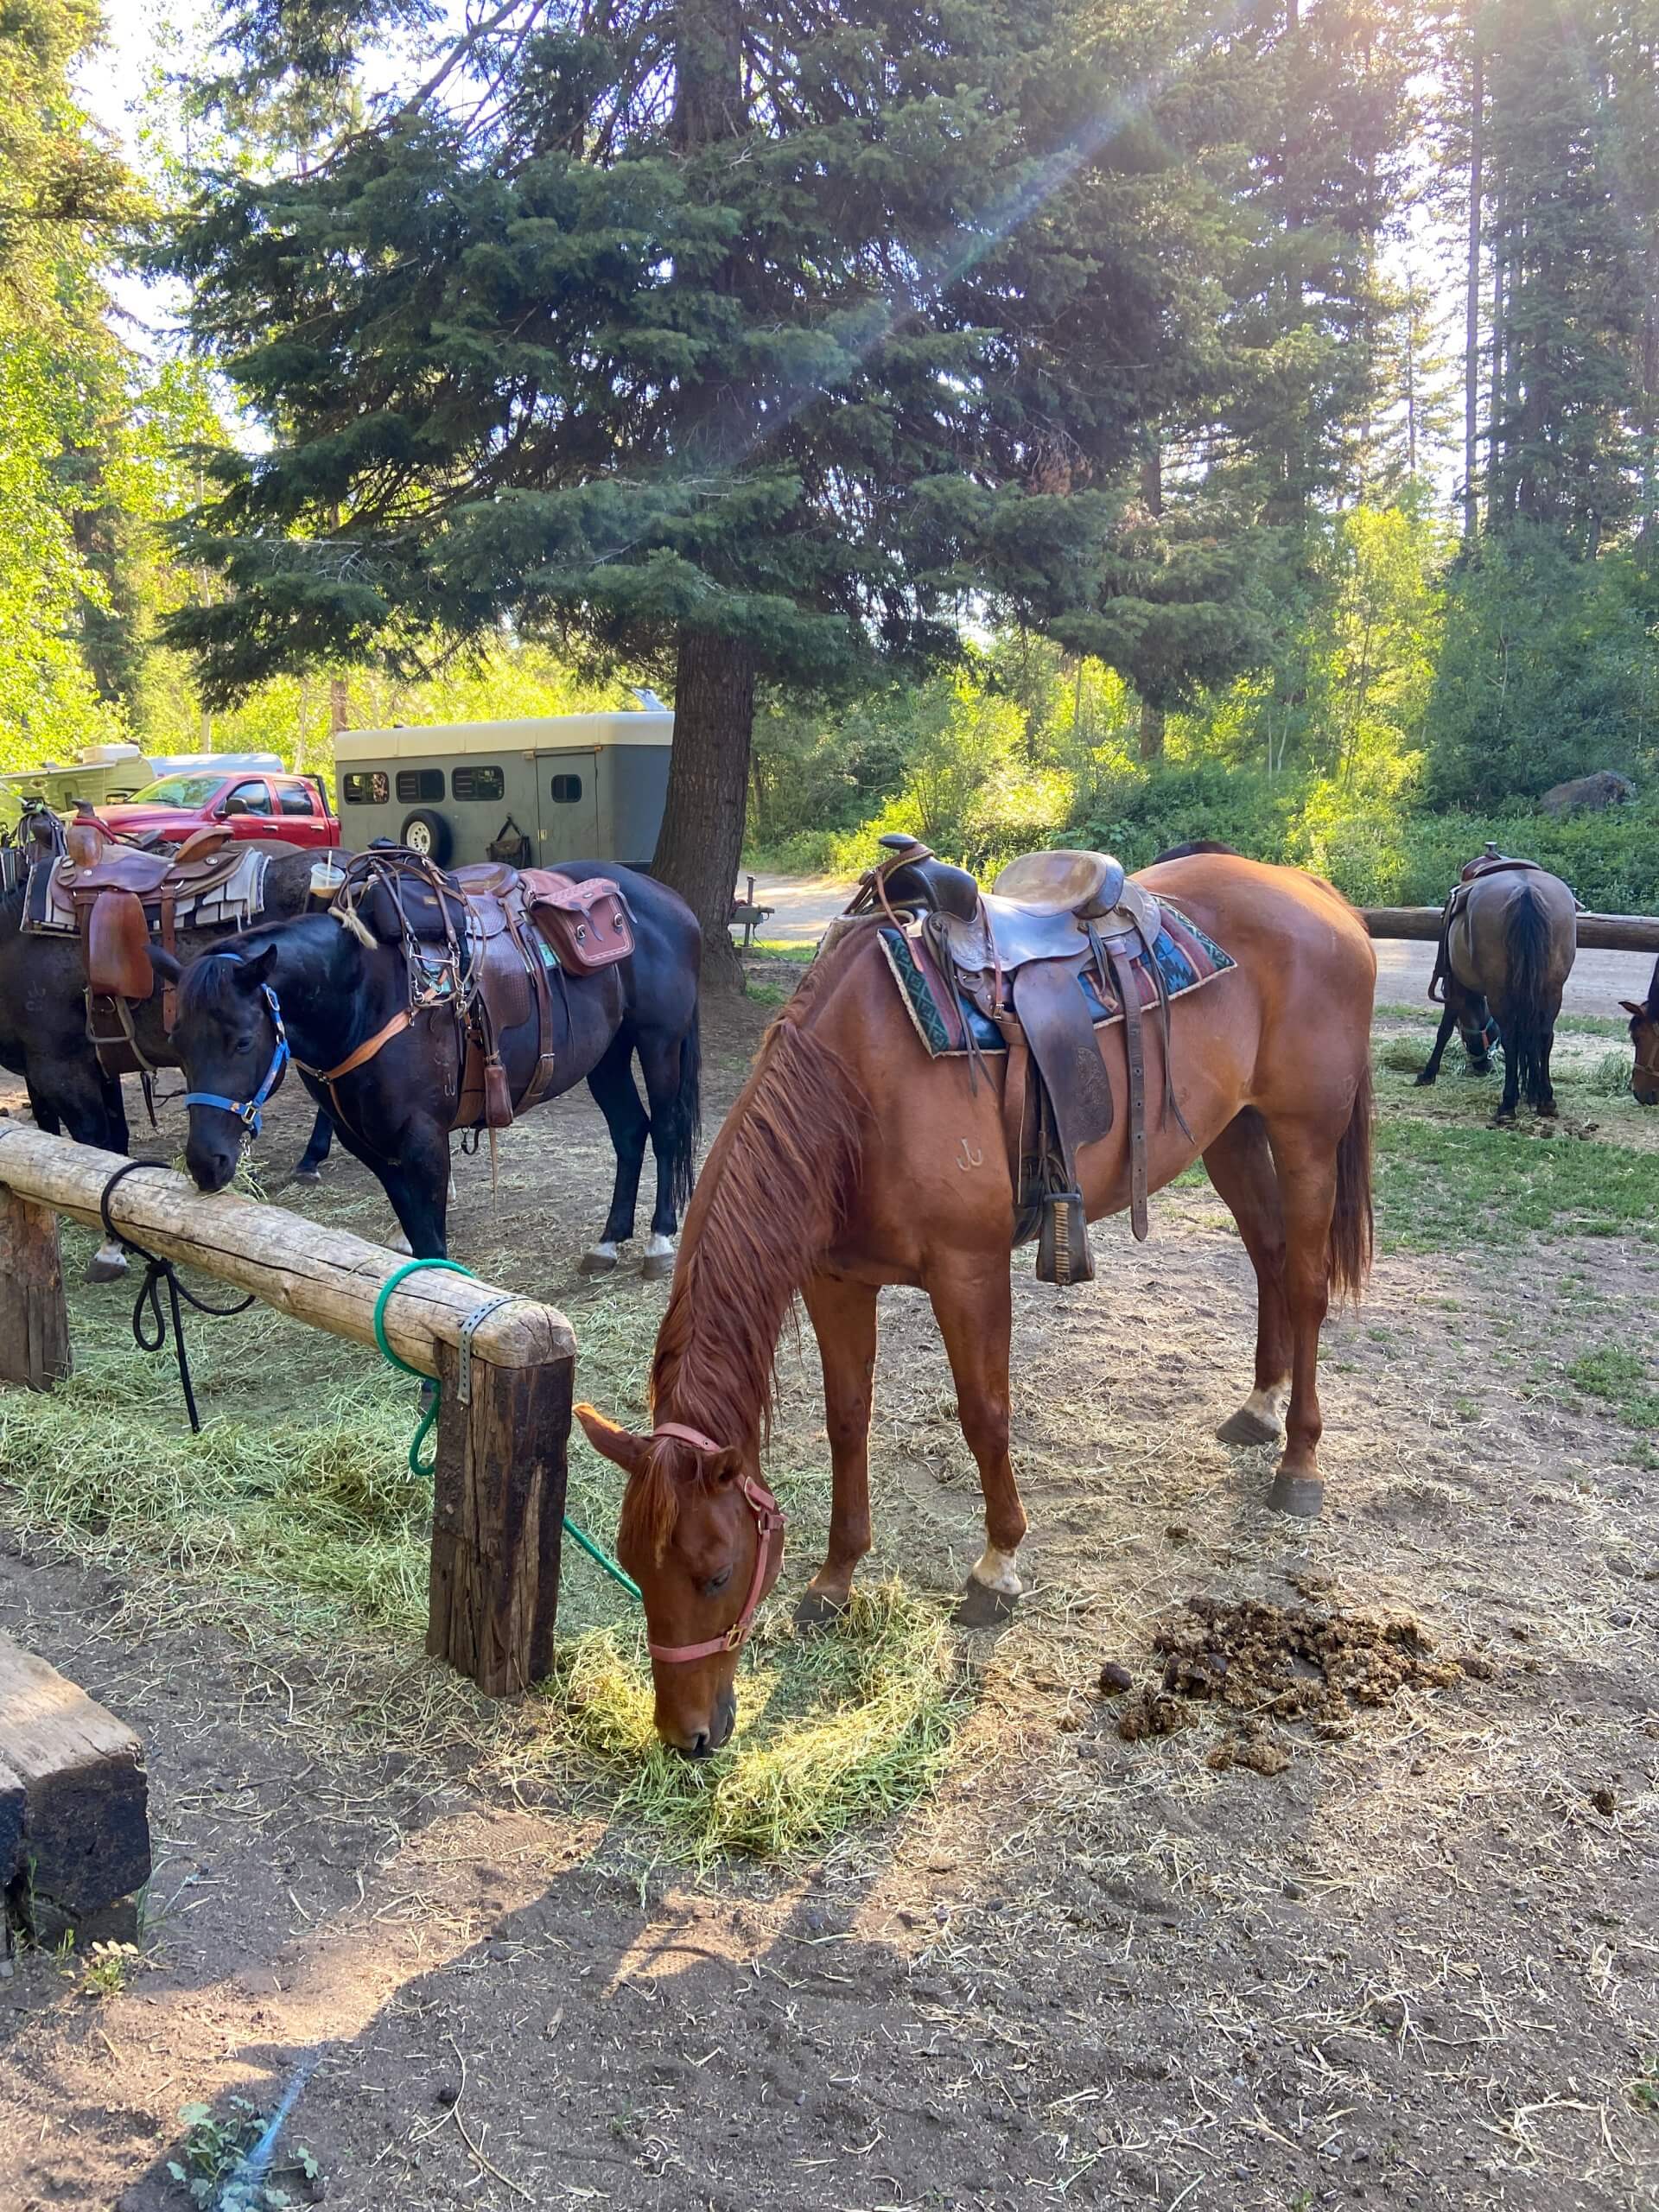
[{"x": 532, "y": 792}]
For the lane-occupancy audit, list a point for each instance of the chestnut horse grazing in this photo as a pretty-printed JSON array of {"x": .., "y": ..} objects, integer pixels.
[{"x": 852, "y": 1159}]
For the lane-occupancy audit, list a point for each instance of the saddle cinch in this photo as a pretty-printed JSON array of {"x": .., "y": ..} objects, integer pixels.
[
  {"x": 488, "y": 943},
  {"x": 118, "y": 898},
  {"x": 1022, "y": 954}
]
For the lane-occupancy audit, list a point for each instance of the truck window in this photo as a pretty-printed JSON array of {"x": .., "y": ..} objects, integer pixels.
[
  {"x": 477, "y": 783},
  {"x": 567, "y": 790},
  {"x": 295, "y": 799},
  {"x": 252, "y": 797},
  {"x": 365, "y": 787},
  {"x": 420, "y": 786}
]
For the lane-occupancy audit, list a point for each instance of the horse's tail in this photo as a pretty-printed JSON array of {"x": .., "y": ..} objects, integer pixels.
[
  {"x": 1527, "y": 1026},
  {"x": 1352, "y": 1222},
  {"x": 683, "y": 1121}
]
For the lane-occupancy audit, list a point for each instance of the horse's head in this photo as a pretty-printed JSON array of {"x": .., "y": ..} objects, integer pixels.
[
  {"x": 703, "y": 1537},
  {"x": 227, "y": 1033},
  {"x": 1645, "y": 1035}
]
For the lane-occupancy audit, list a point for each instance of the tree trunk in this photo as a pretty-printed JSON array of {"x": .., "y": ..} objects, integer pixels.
[
  {"x": 1471, "y": 301},
  {"x": 700, "y": 842},
  {"x": 1152, "y": 731}
]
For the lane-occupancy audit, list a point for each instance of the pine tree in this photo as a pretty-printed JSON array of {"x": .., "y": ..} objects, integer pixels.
[{"x": 746, "y": 344}]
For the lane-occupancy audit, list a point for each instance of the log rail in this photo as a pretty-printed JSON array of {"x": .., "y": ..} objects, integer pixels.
[
  {"x": 500, "y": 1486},
  {"x": 1597, "y": 932}
]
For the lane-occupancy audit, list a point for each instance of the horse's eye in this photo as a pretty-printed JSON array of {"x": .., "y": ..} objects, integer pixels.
[
  {"x": 716, "y": 1582},
  {"x": 244, "y": 1044}
]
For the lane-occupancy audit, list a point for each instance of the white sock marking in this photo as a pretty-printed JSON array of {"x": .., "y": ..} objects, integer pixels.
[{"x": 995, "y": 1570}]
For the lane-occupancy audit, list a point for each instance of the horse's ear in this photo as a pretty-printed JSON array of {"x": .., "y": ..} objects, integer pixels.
[
  {"x": 167, "y": 966},
  {"x": 1632, "y": 1007},
  {"x": 617, "y": 1445},
  {"x": 251, "y": 973}
]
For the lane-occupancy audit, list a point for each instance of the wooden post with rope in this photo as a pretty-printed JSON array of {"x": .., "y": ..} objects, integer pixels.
[{"x": 505, "y": 1365}]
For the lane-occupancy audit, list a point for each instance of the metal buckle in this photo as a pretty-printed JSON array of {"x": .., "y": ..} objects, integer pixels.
[{"x": 469, "y": 1329}]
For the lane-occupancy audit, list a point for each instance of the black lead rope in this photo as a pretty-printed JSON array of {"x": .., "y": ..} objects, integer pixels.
[{"x": 151, "y": 1336}]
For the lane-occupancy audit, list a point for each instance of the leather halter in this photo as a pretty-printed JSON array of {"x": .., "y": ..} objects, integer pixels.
[
  {"x": 768, "y": 1529},
  {"x": 247, "y": 1111}
]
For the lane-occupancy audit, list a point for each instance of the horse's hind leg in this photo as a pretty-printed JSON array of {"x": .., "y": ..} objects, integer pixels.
[
  {"x": 1305, "y": 1155},
  {"x": 617, "y": 1099},
  {"x": 973, "y": 1304},
  {"x": 322, "y": 1136},
  {"x": 842, "y": 1314},
  {"x": 1431, "y": 1067},
  {"x": 1240, "y": 1165}
]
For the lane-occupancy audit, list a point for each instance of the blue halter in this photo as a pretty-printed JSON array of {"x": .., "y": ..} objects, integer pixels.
[{"x": 247, "y": 1111}]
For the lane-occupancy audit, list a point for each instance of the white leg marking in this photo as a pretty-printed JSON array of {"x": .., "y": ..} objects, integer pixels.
[
  {"x": 995, "y": 1570},
  {"x": 659, "y": 1247},
  {"x": 1266, "y": 1404},
  {"x": 455, "y": 1195},
  {"x": 604, "y": 1249},
  {"x": 398, "y": 1242},
  {"x": 107, "y": 1264}
]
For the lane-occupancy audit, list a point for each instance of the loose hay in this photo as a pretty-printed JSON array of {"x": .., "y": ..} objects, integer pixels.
[
  {"x": 1265, "y": 1664},
  {"x": 835, "y": 1732}
]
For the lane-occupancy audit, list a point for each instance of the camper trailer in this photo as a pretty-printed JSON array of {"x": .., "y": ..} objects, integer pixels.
[{"x": 532, "y": 792}]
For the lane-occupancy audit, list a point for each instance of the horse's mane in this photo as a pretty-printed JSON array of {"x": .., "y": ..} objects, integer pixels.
[
  {"x": 772, "y": 1193},
  {"x": 207, "y": 986}
]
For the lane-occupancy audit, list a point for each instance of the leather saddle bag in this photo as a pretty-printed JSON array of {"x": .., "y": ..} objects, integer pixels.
[{"x": 587, "y": 924}]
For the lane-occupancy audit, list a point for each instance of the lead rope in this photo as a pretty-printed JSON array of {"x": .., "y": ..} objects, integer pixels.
[
  {"x": 151, "y": 1338},
  {"x": 417, "y": 1464}
]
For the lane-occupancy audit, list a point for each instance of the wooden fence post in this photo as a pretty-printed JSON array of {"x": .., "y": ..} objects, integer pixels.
[
  {"x": 497, "y": 1508},
  {"x": 34, "y": 1318}
]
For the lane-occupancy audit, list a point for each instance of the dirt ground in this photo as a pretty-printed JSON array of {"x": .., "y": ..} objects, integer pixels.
[{"x": 1418, "y": 1966}]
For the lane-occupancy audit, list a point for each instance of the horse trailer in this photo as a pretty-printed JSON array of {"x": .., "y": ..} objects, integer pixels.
[{"x": 532, "y": 792}]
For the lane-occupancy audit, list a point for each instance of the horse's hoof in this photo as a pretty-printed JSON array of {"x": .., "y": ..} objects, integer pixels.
[
  {"x": 306, "y": 1175},
  {"x": 597, "y": 1263},
  {"x": 99, "y": 1269},
  {"x": 658, "y": 1266},
  {"x": 1301, "y": 1495},
  {"x": 981, "y": 1606},
  {"x": 1425, "y": 1082},
  {"x": 817, "y": 1613},
  {"x": 1247, "y": 1428}
]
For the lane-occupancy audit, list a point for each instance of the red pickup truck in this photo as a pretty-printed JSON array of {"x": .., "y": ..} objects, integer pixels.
[{"x": 292, "y": 809}]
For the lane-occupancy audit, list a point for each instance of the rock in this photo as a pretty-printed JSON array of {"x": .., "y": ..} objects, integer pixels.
[
  {"x": 1591, "y": 792},
  {"x": 1604, "y": 1801},
  {"x": 1114, "y": 1679}
]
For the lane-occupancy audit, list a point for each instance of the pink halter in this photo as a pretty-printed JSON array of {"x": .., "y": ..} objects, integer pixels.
[{"x": 768, "y": 1528}]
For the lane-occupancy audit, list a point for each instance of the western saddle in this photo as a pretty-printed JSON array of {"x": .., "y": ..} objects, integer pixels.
[
  {"x": 1021, "y": 954},
  {"x": 116, "y": 896},
  {"x": 486, "y": 944}
]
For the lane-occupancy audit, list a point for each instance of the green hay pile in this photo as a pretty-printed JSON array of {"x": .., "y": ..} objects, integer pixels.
[{"x": 836, "y": 1732}]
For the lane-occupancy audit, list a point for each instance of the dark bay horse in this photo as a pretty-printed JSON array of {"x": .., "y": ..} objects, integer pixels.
[
  {"x": 852, "y": 1161},
  {"x": 43, "y": 1025},
  {"x": 1510, "y": 940},
  {"x": 1645, "y": 1035},
  {"x": 395, "y": 1110}
]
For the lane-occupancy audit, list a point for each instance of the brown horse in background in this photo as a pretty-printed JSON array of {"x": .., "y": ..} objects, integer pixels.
[
  {"x": 1508, "y": 942},
  {"x": 1645, "y": 1035},
  {"x": 851, "y": 1160}
]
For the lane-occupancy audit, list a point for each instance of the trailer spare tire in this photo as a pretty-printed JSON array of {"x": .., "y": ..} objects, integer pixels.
[{"x": 429, "y": 835}]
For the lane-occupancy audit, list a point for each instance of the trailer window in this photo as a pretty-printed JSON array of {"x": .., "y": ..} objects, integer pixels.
[
  {"x": 420, "y": 784},
  {"x": 567, "y": 790},
  {"x": 477, "y": 783},
  {"x": 366, "y": 787}
]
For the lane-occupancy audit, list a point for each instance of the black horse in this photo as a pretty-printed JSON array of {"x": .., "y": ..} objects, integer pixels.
[
  {"x": 43, "y": 1028},
  {"x": 333, "y": 993}
]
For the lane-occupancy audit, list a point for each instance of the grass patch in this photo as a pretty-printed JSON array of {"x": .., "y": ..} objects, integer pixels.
[
  {"x": 835, "y": 1732},
  {"x": 1441, "y": 1185},
  {"x": 1623, "y": 1382},
  {"x": 764, "y": 948},
  {"x": 1566, "y": 1025}
]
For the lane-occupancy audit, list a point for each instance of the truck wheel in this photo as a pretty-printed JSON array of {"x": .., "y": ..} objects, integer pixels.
[{"x": 427, "y": 834}]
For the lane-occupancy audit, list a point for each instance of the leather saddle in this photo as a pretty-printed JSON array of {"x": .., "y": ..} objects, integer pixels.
[
  {"x": 489, "y": 941},
  {"x": 1020, "y": 953},
  {"x": 118, "y": 896}
]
